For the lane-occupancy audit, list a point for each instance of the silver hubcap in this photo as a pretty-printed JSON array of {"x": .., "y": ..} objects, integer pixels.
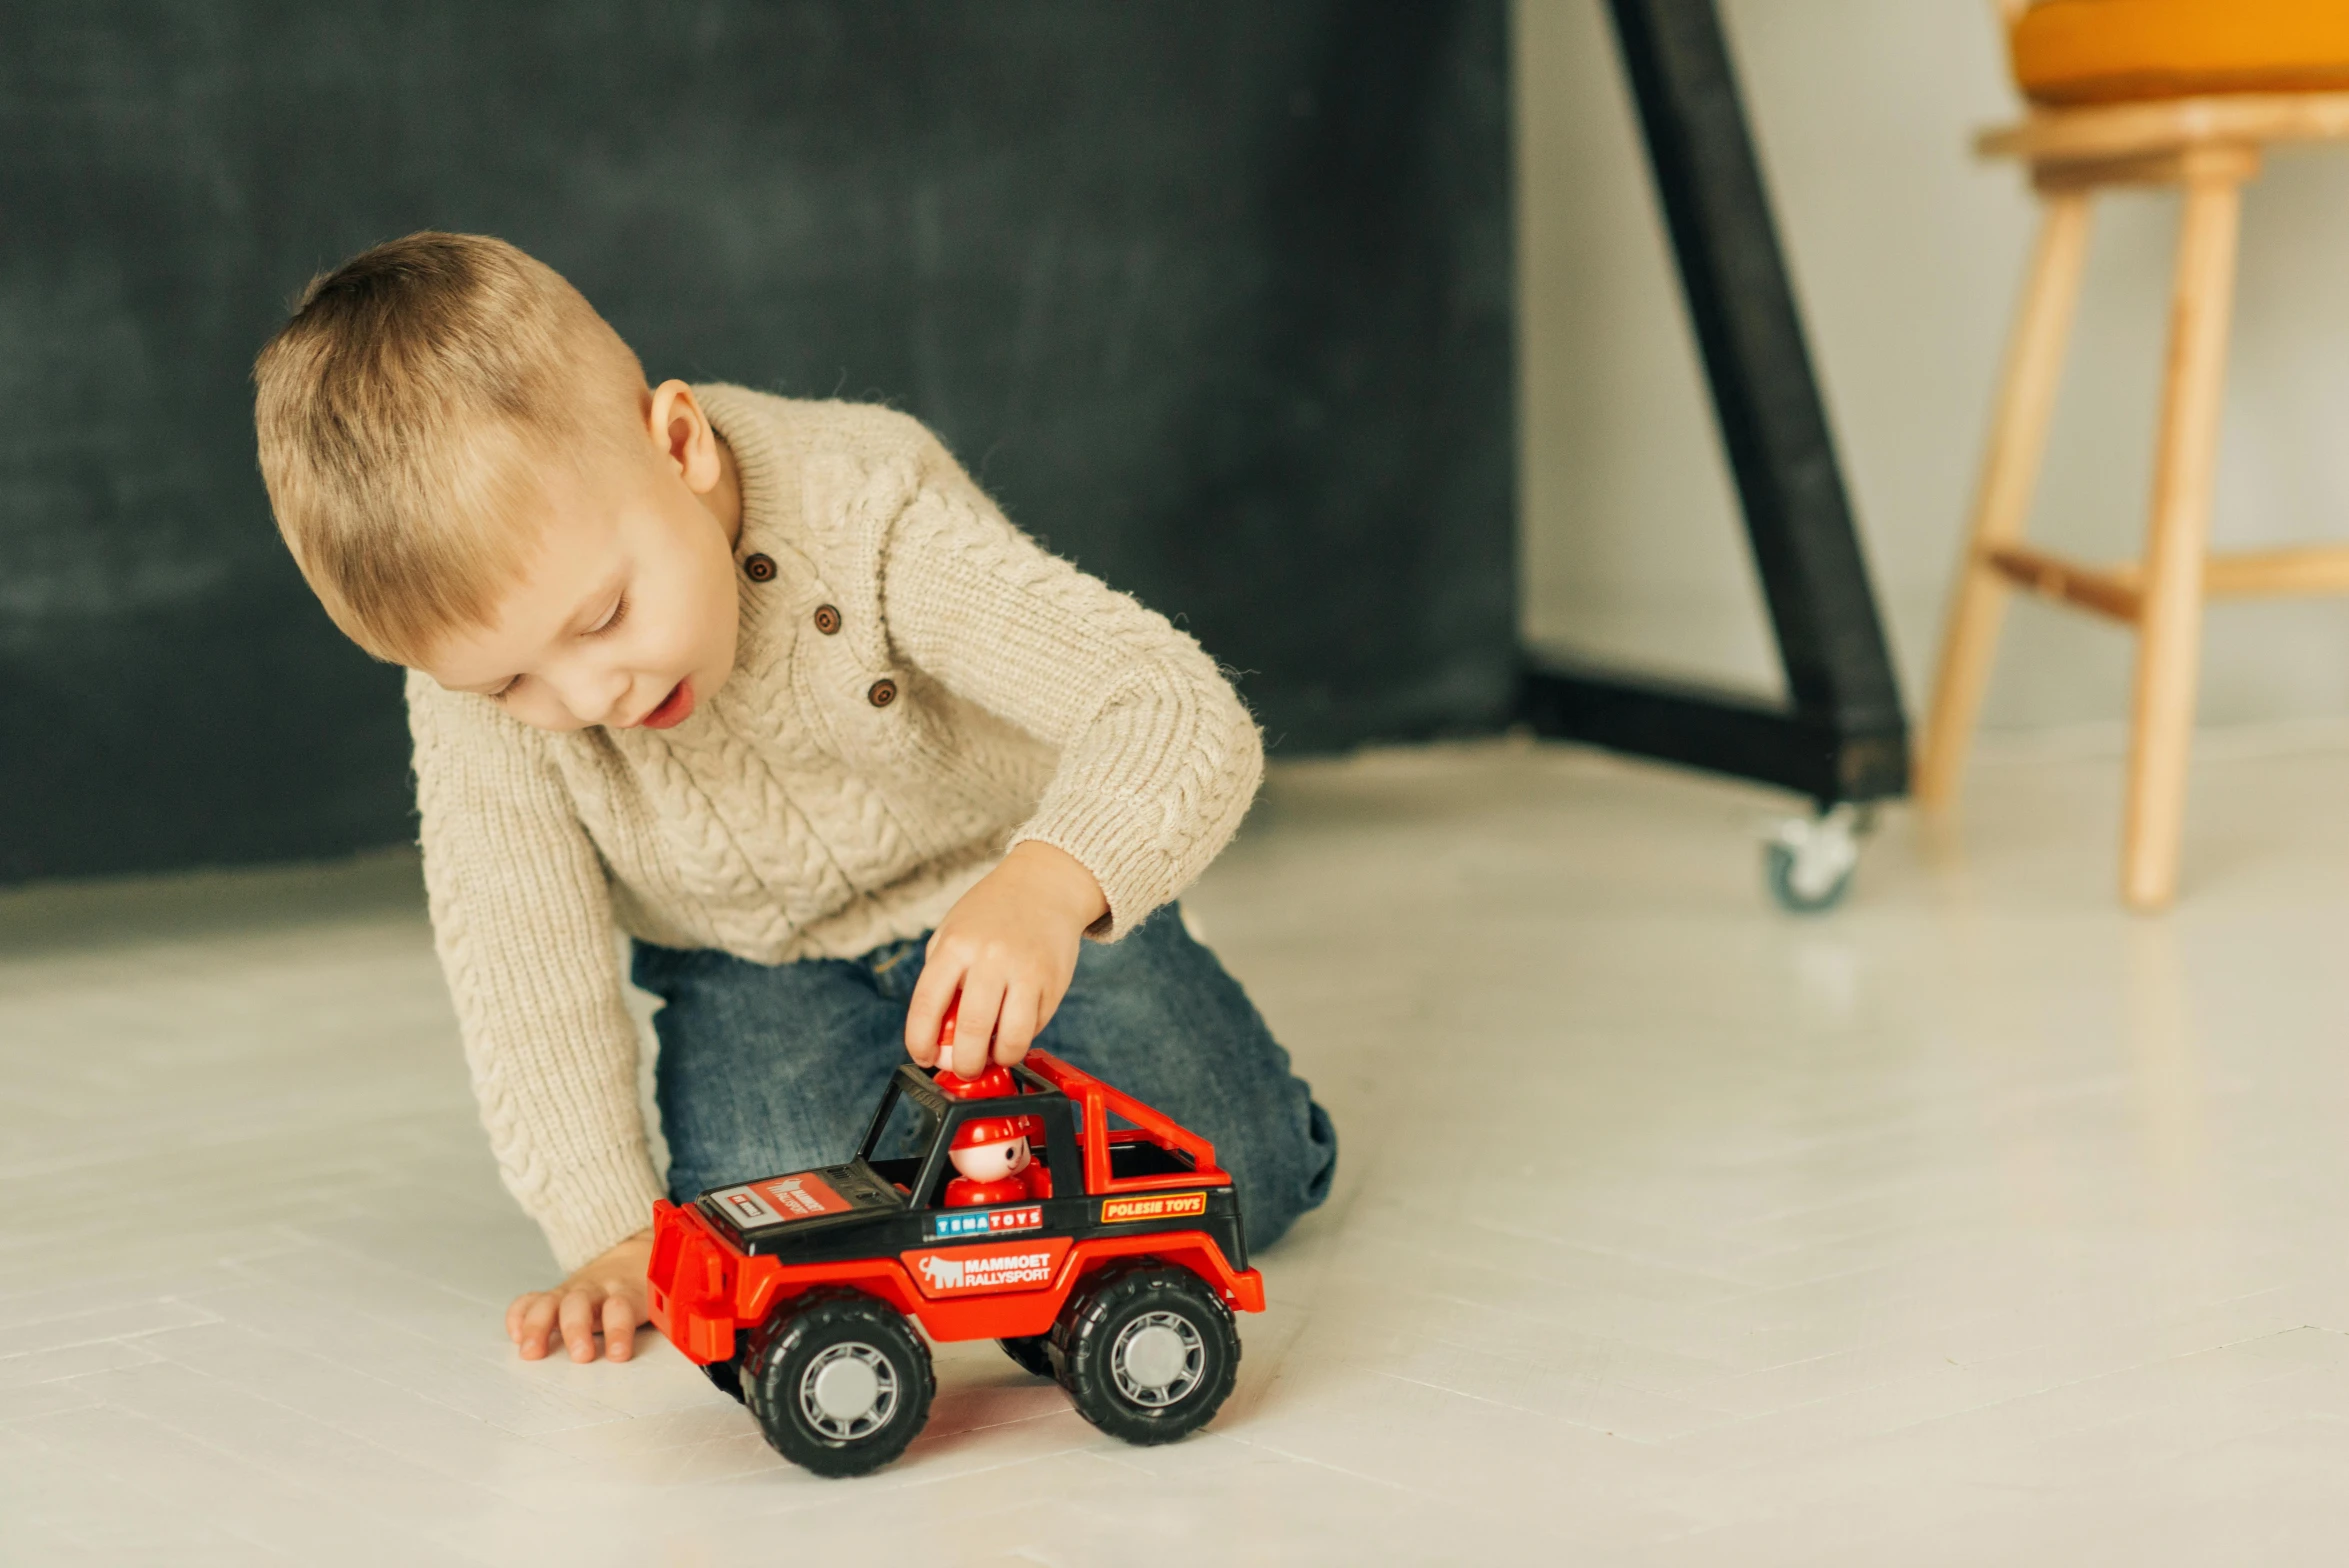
[
  {"x": 848, "y": 1391},
  {"x": 1158, "y": 1359}
]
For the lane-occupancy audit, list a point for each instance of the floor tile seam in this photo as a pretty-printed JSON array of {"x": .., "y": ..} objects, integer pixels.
[
  {"x": 1521, "y": 1315},
  {"x": 1656, "y": 1444},
  {"x": 67, "y": 1534},
  {"x": 1990, "y": 1363},
  {"x": 1640, "y": 1260},
  {"x": 322, "y": 1244},
  {"x": 1830, "y": 1444},
  {"x": 1105, "y": 1454},
  {"x": 1781, "y": 1511},
  {"x": 494, "y": 1361},
  {"x": 1980, "y": 1315},
  {"x": 1893, "y": 1382},
  {"x": 2192, "y": 1447},
  {"x": 300, "y": 1415},
  {"x": 139, "y": 1356},
  {"x": 1876, "y": 1433},
  {"x": 184, "y": 1296},
  {"x": 998, "y": 1426},
  {"x": 100, "y": 1281},
  {"x": 1922, "y": 1288},
  {"x": 907, "y": 1483},
  {"x": 104, "y": 1339},
  {"x": 1336, "y": 1469},
  {"x": 2074, "y": 1383},
  {"x": 440, "y": 1353},
  {"x": 1568, "y": 1374},
  {"x": 1731, "y": 1289},
  {"x": 507, "y": 1434},
  {"x": 128, "y": 1486}
]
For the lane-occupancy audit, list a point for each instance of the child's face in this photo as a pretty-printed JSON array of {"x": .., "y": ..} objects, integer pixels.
[{"x": 628, "y": 613}]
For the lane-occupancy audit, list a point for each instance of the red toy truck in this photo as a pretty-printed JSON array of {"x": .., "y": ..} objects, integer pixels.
[{"x": 1116, "y": 1274}]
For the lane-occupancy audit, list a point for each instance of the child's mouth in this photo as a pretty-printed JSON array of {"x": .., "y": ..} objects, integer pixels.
[{"x": 673, "y": 708}]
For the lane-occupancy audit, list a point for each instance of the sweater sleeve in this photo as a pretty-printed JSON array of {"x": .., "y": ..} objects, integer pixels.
[
  {"x": 1158, "y": 759},
  {"x": 521, "y": 915}
]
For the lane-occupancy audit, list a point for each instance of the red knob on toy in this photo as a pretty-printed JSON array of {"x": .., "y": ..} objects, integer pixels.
[{"x": 992, "y": 1079}]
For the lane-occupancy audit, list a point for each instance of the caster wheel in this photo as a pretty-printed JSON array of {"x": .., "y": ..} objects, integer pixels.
[
  {"x": 1809, "y": 861},
  {"x": 1031, "y": 1352},
  {"x": 840, "y": 1382},
  {"x": 1148, "y": 1352}
]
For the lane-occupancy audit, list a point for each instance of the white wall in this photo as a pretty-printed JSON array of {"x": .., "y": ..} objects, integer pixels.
[{"x": 1907, "y": 254}]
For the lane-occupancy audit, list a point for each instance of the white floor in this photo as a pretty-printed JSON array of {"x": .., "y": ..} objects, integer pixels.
[{"x": 1974, "y": 1223}]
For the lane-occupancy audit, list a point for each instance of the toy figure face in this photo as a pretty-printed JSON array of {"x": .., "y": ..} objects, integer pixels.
[{"x": 993, "y": 1161}]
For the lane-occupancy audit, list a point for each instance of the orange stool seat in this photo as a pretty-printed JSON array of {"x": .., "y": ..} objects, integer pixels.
[{"x": 2105, "y": 51}]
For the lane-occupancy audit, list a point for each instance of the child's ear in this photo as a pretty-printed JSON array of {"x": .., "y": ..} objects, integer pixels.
[{"x": 681, "y": 430}]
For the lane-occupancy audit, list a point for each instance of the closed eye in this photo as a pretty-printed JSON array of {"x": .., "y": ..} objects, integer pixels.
[{"x": 619, "y": 614}]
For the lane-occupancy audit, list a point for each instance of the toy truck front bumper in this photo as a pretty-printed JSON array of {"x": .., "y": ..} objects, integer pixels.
[{"x": 692, "y": 1283}]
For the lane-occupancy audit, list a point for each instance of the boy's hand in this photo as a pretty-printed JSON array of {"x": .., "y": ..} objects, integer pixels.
[
  {"x": 1009, "y": 947},
  {"x": 606, "y": 1293}
]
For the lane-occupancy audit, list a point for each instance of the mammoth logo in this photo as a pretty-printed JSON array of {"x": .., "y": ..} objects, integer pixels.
[{"x": 988, "y": 1268}]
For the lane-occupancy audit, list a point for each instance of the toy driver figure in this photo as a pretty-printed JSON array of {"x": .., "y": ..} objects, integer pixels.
[{"x": 993, "y": 1156}]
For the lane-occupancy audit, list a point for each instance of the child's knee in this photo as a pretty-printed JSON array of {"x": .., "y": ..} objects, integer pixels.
[{"x": 1290, "y": 1177}]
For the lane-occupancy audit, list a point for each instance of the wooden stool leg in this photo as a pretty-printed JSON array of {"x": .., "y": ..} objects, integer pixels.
[
  {"x": 2170, "y": 625},
  {"x": 2002, "y": 504}
]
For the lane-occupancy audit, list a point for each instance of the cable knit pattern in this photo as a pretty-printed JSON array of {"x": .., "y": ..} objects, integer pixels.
[{"x": 790, "y": 817}]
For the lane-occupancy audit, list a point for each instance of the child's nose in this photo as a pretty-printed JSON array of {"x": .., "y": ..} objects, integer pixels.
[{"x": 595, "y": 696}]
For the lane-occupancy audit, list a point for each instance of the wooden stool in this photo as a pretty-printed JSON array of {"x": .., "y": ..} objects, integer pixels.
[{"x": 2077, "y": 140}]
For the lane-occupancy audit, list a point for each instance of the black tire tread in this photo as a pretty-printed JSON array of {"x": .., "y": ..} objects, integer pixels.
[
  {"x": 1081, "y": 1340},
  {"x": 820, "y": 1313}
]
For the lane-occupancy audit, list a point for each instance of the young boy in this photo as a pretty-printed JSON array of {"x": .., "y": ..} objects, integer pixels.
[{"x": 773, "y": 688}]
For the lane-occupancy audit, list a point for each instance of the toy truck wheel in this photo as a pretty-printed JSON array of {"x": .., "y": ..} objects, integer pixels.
[
  {"x": 1148, "y": 1352},
  {"x": 840, "y": 1382},
  {"x": 1032, "y": 1352}
]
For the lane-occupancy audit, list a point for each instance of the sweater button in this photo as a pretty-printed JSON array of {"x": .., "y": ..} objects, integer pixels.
[
  {"x": 759, "y": 567},
  {"x": 827, "y": 619},
  {"x": 883, "y": 693}
]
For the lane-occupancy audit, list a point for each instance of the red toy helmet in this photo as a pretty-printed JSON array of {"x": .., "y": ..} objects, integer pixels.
[{"x": 980, "y": 1131}]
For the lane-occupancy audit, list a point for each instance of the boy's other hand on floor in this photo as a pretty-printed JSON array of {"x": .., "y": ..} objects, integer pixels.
[
  {"x": 607, "y": 1294},
  {"x": 1009, "y": 947}
]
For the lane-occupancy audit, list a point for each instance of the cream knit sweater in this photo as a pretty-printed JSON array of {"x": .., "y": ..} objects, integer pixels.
[{"x": 840, "y": 791}]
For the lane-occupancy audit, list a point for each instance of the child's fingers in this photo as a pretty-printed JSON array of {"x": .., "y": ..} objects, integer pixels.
[
  {"x": 1017, "y": 1026},
  {"x": 925, "y": 1012},
  {"x": 1049, "y": 999},
  {"x": 514, "y": 1313},
  {"x": 974, "y": 1023},
  {"x": 619, "y": 1327},
  {"x": 578, "y": 1319},
  {"x": 538, "y": 1320}
]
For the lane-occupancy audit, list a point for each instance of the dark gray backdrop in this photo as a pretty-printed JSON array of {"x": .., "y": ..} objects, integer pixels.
[{"x": 1214, "y": 295}]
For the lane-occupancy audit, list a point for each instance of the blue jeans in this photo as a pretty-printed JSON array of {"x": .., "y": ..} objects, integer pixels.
[{"x": 767, "y": 1068}]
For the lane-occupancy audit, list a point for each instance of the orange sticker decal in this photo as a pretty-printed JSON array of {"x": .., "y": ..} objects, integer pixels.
[{"x": 1153, "y": 1206}]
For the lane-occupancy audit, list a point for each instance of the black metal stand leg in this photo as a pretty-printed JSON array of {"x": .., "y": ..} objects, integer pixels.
[{"x": 1840, "y": 736}]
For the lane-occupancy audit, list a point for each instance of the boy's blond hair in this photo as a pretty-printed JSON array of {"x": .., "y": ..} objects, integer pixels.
[{"x": 402, "y": 414}]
